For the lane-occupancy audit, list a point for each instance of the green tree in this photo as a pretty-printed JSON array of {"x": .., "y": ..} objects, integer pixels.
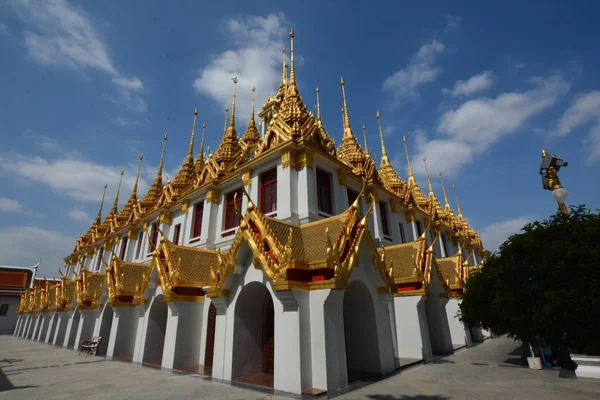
[{"x": 543, "y": 284}]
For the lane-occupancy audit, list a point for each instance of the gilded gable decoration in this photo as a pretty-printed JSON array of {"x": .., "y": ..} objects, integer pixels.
[
  {"x": 127, "y": 282},
  {"x": 121, "y": 219},
  {"x": 414, "y": 196},
  {"x": 148, "y": 203},
  {"x": 201, "y": 159},
  {"x": 89, "y": 288},
  {"x": 251, "y": 139},
  {"x": 387, "y": 173}
]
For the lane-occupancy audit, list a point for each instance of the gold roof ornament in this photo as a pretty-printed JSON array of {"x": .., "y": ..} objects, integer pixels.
[
  {"x": 461, "y": 224},
  {"x": 105, "y": 227},
  {"x": 251, "y": 139},
  {"x": 201, "y": 159},
  {"x": 229, "y": 150},
  {"x": 283, "y": 85},
  {"x": 413, "y": 189},
  {"x": 127, "y": 210},
  {"x": 92, "y": 233},
  {"x": 350, "y": 152},
  {"x": 435, "y": 210},
  {"x": 387, "y": 173},
  {"x": 150, "y": 200}
]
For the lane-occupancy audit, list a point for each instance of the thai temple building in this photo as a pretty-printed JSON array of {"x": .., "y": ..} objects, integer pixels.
[{"x": 282, "y": 260}]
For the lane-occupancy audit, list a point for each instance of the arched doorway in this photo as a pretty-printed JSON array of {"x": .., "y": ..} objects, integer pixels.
[
  {"x": 254, "y": 334},
  {"x": 209, "y": 352},
  {"x": 155, "y": 333},
  {"x": 362, "y": 345},
  {"x": 105, "y": 327}
]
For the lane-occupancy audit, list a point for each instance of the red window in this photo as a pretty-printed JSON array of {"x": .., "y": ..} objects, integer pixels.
[
  {"x": 324, "y": 202},
  {"x": 232, "y": 219},
  {"x": 100, "y": 255},
  {"x": 123, "y": 247},
  {"x": 197, "y": 223},
  {"x": 139, "y": 245},
  {"x": 385, "y": 227},
  {"x": 154, "y": 234},
  {"x": 268, "y": 191},
  {"x": 176, "y": 233}
]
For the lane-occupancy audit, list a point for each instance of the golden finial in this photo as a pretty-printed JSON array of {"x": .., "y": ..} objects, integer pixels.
[
  {"x": 384, "y": 156},
  {"x": 347, "y": 131},
  {"x": 232, "y": 117},
  {"x": 460, "y": 215},
  {"x": 410, "y": 171},
  {"x": 162, "y": 157},
  {"x": 116, "y": 203},
  {"x": 292, "y": 66},
  {"x": 137, "y": 176},
  {"x": 364, "y": 129},
  {"x": 284, "y": 68},
  {"x": 447, "y": 203},
  {"x": 226, "y": 117},
  {"x": 253, "y": 100},
  {"x": 428, "y": 178},
  {"x": 318, "y": 106},
  {"x": 191, "y": 148},
  {"x": 99, "y": 216},
  {"x": 201, "y": 155}
]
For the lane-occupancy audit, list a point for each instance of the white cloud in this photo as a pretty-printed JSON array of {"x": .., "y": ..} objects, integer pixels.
[
  {"x": 477, "y": 124},
  {"x": 11, "y": 205},
  {"x": 475, "y": 84},
  {"x": 255, "y": 58},
  {"x": 584, "y": 109},
  {"x": 453, "y": 23},
  {"x": 82, "y": 180},
  {"x": 61, "y": 34},
  {"x": 4, "y": 30},
  {"x": 25, "y": 245},
  {"x": 125, "y": 123},
  {"x": 134, "y": 83},
  {"x": 420, "y": 70},
  {"x": 495, "y": 234},
  {"x": 80, "y": 216}
]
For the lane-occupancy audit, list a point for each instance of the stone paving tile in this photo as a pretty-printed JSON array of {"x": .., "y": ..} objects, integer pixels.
[{"x": 33, "y": 370}]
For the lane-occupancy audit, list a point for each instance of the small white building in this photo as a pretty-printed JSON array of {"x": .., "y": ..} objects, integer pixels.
[
  {"x": 280, "y": 260},
  {"x": 13, "y": 283}
]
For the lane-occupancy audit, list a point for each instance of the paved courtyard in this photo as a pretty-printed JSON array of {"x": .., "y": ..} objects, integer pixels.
[{"x": 32, "y": 370}]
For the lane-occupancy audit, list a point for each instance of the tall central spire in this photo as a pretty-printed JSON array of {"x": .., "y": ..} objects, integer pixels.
[
  {"x": 384, "y": 156},
  {"x": 411, "y": 177},
  {"x": 115, "y": 206},
  {"x": 431, "y": 194},
  {"x": 318, "y": 106},
  {"x": 200, "y": 160},
  {"x": 225, "y": 122},
  {"x": 292, "y": 64},
  {"x": 162, "y": 160},
  {"x": 232, "y": 117},
  {"x": 229, "y": 149},
  {"x": 137, "y": 177},
  {"x": 347, "y": 129},
  {"x": 364, "y": 129},
  {"x": 460, "y": 214},
  {"x": 191, "y": 147},
  {"x": 446, "y": 202},
  {"x": 99, "y": 216},
  {"x": 284, "y": 69}
]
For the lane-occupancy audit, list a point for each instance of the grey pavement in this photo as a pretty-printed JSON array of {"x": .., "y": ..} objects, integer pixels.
[{"x": 34, "y": 370}]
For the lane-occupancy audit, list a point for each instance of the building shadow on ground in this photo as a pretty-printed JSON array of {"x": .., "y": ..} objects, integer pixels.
[
  {"x": 407, "y": 397},
  {"x": 6, "y": 384}
]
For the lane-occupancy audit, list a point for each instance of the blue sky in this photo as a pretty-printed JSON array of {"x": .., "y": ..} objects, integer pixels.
[{"x": 479, "y": 89}]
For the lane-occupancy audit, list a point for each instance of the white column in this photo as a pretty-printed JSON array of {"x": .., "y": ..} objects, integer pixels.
[
  {"x": 51, "y": 328},
  {"x": 458, "y": 332},
  {"x": 87, "y": 322},
  {"x": 17, "y": 326},
  {"x": 307, "y": 197},
  {"x": 442, "y": 241},
  {"x": 62, "y": 320},
  {"x": 335, "y": 341},
  {"x": 34, "y": 331},
  {"x": 211, "y": 225},
  {"x": 204, "y": 325},
  {"x": 140, "y": 334},
  {"x": 412, "y": 331},
  {"x": 70, "y": 315},
  {"x": 223, "y": 339},
  {"x": 287, "y": 344},
  {"x": 121, "y": 341},
  {"x": 182, "y": 344},
  {"x": 377, "y": 224},
  {"x": 317, "y": 339},
  {"x": 384, "y": 333},
  {"x": 284, "y": 192},
  {"x": 43, "y": 327},
  {"x": 415, "y": 232}
]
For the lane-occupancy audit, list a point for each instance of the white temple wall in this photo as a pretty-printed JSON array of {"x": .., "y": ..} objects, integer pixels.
[
  {"x": 183, "y": 334},
  {"x": 62, "y": 320},
  {"x": 437, "y": 317},
  {"x": 411, "y": 328},
  {"x": 155, "y": 331},
  {"x": 140, "y": 332},
  {"x": 72, "y": 327},
  {"x": 307, "y": 199},
  {"x": 335, "y": 342},
  {"x": 286, "y": 201},
  {"x": 43, "y": 330},
  {"x": 103, "y": 327},
  {"x": 87, "y": 322},
  {"x": 33, "y": 332},
  {"x": 203, "y": 328},
  {"x": 121, "y": 341},
  {"x": 51, "y": 327},
  {"x": 25, "y": 327},
  {"x": 458, "y": 332},
  {"x": 304, "y": 309},
  {"x": 16, "y": 327}
]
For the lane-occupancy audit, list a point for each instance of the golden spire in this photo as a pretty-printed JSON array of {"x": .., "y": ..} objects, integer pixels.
[
  {"x": 201, "y": 153},
  {"x": 162, "y": 159},
  {"x": 411, "y": 178},
  {"x": 318, "y": 106},
  {"x": 447, "y": 203},
  {"x": 99, "y": 216},
  {"x": 431, "y": 194},
  {"x": 292, "y": 66},
  {"x": 460, "y": 214},
  {"x": 226, "y": 117},
  {"x": 384, "y": 156},
  {"x": 251, "y": 122},
  {"x": 232, "y": 117},
  {"x": 283, "y": 84},
  {"x": 191, "y": 148},
  {"x": 186, "y": 173},
  {"x": 137, "y": 177},
  {"x": 116, "y": 203},
  {"x": 251, "y": 137},
  {"x": 365, "y": 139},
  {"x": 347, "y": 129}
]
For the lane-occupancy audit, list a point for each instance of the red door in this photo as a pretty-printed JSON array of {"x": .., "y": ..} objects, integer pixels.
[
  {"x": 268, "y": 342},
  {"x": 210, "y": 336}
]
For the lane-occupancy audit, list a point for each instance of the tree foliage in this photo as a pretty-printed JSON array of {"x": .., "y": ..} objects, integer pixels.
[{"x": 543, "y": 283}]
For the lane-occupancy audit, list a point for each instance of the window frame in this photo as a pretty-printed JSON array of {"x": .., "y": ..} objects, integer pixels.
[
  {"x": 402, "y": 233},
  {"x": 176, "y": 233},
  {"x": 268, "y": 184},
  {"x": 153, "y": 237},
  {"x": 320, "y": 173},
  {"x": 231, "y": 218},
  {"x": 385, "y": 222},
  {"x": 99, "y": 260},
  {"x": 198, "y": 212},
  {"x": 124, "y": 243},
  {"x": 138, "y": 247}
]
